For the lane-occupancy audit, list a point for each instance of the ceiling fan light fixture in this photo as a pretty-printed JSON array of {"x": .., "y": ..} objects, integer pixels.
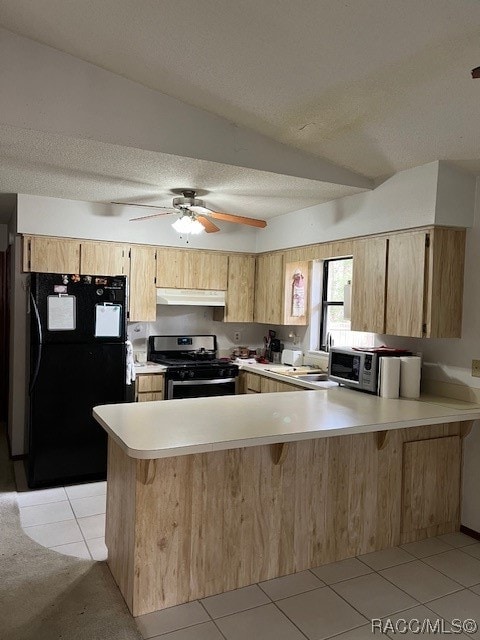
[{"x": 188, "y": 224}]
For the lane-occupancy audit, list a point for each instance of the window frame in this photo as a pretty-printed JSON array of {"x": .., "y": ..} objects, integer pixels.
[{"x": 327, "y": 303}]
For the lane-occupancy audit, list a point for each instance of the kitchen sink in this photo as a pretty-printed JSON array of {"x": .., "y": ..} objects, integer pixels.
[{"x": 313, "y": 377}]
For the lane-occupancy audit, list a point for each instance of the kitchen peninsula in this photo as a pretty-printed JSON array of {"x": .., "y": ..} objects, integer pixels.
[{"x": 212, "y": 494}]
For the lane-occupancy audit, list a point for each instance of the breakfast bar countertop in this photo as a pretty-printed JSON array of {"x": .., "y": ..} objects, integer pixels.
[{"x": 162, "y": 429}]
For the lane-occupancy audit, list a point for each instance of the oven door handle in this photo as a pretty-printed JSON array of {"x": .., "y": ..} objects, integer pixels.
[{"x": 197, "y": 383}]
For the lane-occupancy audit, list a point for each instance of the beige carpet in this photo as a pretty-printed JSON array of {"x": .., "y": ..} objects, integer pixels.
[{"x": 48, "y": 596}]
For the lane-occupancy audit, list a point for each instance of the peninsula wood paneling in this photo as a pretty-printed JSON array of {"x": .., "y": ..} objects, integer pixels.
[{"x": 211, "y": 522}]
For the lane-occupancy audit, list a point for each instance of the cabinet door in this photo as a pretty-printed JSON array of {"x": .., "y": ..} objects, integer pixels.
[
  {"x": 445, "y": 294},
  {"x": 205, "y": 270},
  {"x": 171, "y": 268},
  {"x": 143, "y": 293},
  {"x": 240, "y": 289},
  {"x": 51, "y": 255},
  {"x": 294, "y": 314},
  {"x": 406, "y": 284},
  {"x": 368, "y": 285},
  {"x": 150, "y": 382},
  {"x": 431, "y": 485},
  {"x": 103, "y": 258},
  {"x": 269, "y": 289}
]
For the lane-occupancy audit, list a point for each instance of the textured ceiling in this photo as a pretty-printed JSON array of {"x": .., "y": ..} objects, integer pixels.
[
  {"x": 373, "y": 85},
  {"x": 53, "y": 165}
]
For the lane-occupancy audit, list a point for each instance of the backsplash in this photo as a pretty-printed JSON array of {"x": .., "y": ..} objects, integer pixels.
[{"x": 177, "y": 320}]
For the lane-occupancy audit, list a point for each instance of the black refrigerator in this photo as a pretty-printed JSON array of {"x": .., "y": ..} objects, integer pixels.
[{"x": 77, "y": 361}]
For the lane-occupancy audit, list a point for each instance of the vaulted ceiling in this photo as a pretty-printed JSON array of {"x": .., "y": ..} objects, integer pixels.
[{"x": 375, "y": 86}]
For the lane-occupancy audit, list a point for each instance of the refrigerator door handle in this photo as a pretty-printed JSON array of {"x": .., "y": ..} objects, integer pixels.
[{"x": 40, "y": 340}]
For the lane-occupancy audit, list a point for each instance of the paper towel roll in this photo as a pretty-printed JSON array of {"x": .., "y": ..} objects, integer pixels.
[
  {"x": 410, "y": 372},
  {"x": 389, "y": 377}
]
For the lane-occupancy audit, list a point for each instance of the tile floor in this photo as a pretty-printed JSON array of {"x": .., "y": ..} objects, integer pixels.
[
  {"x": 69, "y": 520},
  {"x": 436, "y": 580}
]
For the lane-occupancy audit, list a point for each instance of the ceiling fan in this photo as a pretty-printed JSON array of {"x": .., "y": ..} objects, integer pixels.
[{"x": 194, "y": 215}]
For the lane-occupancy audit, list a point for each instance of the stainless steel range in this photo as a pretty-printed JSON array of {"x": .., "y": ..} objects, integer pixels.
[{"x": 193, "y": 369}]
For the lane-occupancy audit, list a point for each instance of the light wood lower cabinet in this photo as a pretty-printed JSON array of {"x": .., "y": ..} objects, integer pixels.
[
  {"x": 255, "y": 383},
  {"x": 431, "y": 486},
  {"x": 149, "y": 386}
]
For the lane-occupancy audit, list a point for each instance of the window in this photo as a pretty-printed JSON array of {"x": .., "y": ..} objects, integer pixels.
[{"x": 336, "y": 274}]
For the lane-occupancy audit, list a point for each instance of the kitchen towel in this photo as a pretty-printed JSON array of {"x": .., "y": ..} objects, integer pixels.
[
  {"x": 410, "y": 373},
  {"x": 130, "y": 363},
  {"x": 389, "y": 377}
]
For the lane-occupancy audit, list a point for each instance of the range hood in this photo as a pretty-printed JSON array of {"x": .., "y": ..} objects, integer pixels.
[{"x": 191, "y": 297}]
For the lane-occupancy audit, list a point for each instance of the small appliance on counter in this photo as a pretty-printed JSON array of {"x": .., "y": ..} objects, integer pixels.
[
  {"x": 292, "y": 357},
  {"x": 359, "y": 368}
]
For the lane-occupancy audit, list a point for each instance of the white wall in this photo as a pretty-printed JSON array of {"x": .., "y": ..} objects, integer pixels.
[
  {"x": 77, "y": 219},
  {"x": 434, "y": 193},
  {"x": 405, "y": 200}
]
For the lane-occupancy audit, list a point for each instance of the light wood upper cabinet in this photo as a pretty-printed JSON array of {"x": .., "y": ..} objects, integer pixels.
[
  {"x": 51, "y": 255},
  {"x": 444, "y": 307},
  {"x": 295, "y": 312},
  {"x": 269, "y": 289},
  {"x": 240, "y": 290},
  {"x": 410, "y": 284},
  {"x": 191, "y": 269},
  {"x": 368, "y": 285},
  {"x": 407, "y": 267},
  {"x": 170, "y": 268},
  {"x": 143, "y": 293},
  {"x": 104, "y": 258}
]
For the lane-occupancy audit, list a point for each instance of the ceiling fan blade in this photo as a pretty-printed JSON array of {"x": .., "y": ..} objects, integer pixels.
[
  {"x": 208, "y": 224},
  {"x": 146, "y": 206},
  {"x": 152, "y": 215},
  {"x": 201, "y": 210},
  {"x": 229, "y": 217}
]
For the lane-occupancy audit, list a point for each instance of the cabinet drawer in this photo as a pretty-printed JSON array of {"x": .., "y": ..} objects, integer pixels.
[
  {"x": 150, "y": 382},
  {"x": 148, "y": 397}
]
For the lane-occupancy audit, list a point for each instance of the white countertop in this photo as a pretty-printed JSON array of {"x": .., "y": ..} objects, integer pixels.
[
  {"x": 149, "y": 367},
  {"x": 169, "y": 428},
  {"x": 276, "y": 371}
]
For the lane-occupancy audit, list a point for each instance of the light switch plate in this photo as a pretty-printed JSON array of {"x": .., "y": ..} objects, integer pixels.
[{"x": 476, "y": 368}]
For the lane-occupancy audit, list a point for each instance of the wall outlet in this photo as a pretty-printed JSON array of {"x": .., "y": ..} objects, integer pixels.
[
  {"x": 237, "y": 336},
  {"x": 476, "y": 368}
]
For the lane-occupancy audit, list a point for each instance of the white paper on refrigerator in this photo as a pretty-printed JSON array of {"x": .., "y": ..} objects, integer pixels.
[
  {"x": 61, "y": 313},
  {"x": 108, "y": 320}
]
